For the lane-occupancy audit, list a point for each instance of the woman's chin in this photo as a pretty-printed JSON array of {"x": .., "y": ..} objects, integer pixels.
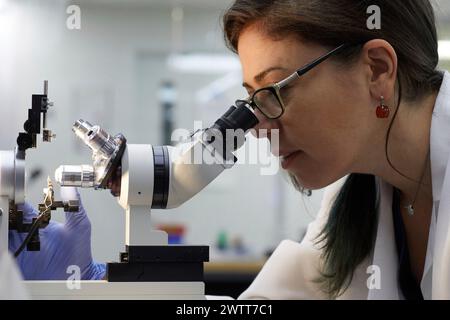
[
  {"x": 309, "y": 174},
  {"x": 310, "y": 182}
]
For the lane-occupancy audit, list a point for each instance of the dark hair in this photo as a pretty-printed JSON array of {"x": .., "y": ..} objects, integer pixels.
[{"x": 409, "y": 26}]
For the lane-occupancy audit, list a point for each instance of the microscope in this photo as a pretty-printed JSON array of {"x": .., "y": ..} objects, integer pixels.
[{"x": 145, "y": 177}]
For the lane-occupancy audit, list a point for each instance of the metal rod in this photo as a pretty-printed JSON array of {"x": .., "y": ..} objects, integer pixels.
[
  {"x": 46, "y": 87},
  {"x": 44, "y": 118}
]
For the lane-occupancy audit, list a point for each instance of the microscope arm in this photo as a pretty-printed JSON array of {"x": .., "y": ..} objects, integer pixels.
[
  {"x": 188, "y": 178},
  {"x": 162, "y": 177}
]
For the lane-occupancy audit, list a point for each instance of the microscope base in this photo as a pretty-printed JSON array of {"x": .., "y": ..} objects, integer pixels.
[
  {"x": 167, "y": 263},
  {"x": 103, "y": 290}
]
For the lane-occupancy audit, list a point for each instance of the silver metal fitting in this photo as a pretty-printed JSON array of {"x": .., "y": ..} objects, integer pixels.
[
  {"x": 107, "y": 152},
  {"x": 76, "y": 176},
  {"x": 95, "y": 138}
]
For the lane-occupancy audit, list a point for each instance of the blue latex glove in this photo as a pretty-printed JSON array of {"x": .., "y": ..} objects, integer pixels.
[{"x": 62, "y": 245}]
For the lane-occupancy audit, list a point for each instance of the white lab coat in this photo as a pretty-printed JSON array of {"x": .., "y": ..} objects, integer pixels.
[{"x": 290, "y": 271}]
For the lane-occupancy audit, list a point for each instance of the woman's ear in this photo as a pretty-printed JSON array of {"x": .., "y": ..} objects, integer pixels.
[{"x": 381, "y": 61}]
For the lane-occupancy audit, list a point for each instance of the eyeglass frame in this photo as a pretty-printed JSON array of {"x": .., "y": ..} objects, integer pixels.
[{"x": 276, "y": 87}]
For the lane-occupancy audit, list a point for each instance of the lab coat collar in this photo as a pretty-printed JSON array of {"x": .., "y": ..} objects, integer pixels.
[
  {"x": 440, "y": 151},
  {"x": 436, "y": 280},
  {"x": 441, "y": 241},
  {"x": 440, "y": 169},
  {"x": 439, "y": 137}
]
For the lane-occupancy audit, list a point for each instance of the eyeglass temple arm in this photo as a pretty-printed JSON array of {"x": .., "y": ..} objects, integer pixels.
[{"x": 310, "y": 66}]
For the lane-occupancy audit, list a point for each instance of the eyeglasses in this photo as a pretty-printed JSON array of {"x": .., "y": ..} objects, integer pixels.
[{"x": 268, "y": 99}]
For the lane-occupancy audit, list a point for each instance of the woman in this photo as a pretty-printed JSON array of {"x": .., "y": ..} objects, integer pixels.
[
  {"x": 368, "y": 115},
  {"x": 371, "y": 105}
]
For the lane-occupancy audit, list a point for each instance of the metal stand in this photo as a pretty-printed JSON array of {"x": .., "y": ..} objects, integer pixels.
[{"x": 147, "y": 256}]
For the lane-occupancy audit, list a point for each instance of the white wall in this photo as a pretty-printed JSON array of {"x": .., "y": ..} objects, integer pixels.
[{"x": 97, "y": 73}]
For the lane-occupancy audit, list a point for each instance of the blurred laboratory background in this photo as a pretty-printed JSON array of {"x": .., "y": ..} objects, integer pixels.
[{"x": 145, "y": 68}]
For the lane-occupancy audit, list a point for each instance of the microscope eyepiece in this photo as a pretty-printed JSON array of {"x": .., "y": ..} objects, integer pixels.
[{"x": 239, "y": 117}]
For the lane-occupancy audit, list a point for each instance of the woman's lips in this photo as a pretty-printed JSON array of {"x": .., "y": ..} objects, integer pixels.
[{"x": 286, "y": 161}]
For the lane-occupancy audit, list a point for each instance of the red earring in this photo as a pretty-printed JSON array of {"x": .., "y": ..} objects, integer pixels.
[{"x": 383, "y": 110}]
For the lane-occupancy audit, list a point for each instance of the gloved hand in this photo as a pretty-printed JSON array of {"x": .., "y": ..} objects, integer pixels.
[{"x": 62, "y": 245}]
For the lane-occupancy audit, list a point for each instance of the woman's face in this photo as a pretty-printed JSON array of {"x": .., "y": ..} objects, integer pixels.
[{"x": 329, "y": 114}]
